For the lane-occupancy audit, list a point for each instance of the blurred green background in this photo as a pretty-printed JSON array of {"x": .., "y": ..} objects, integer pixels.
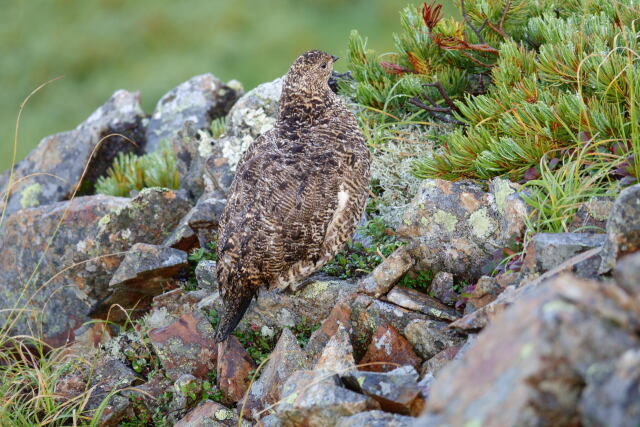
[{"x": 153, "y": 45}]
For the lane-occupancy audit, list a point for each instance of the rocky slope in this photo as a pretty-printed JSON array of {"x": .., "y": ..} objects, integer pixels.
[{"x": 555, "y": 341}]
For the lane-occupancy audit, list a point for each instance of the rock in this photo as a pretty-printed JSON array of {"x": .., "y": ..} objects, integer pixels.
[
  {"x": 337, "y": 356},
  {"x": 627, "y": 274},
  {"x": 480, "y": 318},
  {"x": 286, "y": 357},
  {"x": 199, "y": 100},
  {"x": 56, "y": 166},
  {"x": 254, "y": 114},
  {"x": 146, "y": 271},
  {"x": 484, "y": 292},
  {"x": 369, "y": 314},
  {"x": 375, "y": 419},
  {"x": 168, "y": 307},
  {"x": 623, "y": 228},
  {"x": 385, "y": 275},
  {"x": 200, "y": 225},
  {"x": 187, "y": 346},
  {"x": 417, "y": 301},
  {"x": 434, "y": 365},
  {"x": 396, "y": 391},
  {"x": 234, "y": 367},
  {"x": 429, "y": 337},
  {"x": 148, "y": 395},
  {"x": 310, "y": 402},
  {"x": 106, "y": 375},
  {"x": 186, "y": 389},
  {"x": 457, "y": 227},
  {"x": 206, "y": 276},
  {"x": 442, "y": 288},
  {"x": 339, "y": 316},
  {"x": 209, "y": 414},
  {"x": 147, "y": 218},
  {"x": 537, "y": 356},
  {"x": 49, "y": 237},
  {"x": 592, "y": 215},
  {"x": 287, "y": 309},
  {"x": 547, "y": 250},
  {"x": 388, "y": 350},
  {"x": 612, "y": 394}
]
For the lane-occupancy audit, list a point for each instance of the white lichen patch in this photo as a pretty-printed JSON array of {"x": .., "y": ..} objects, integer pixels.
[
  {"x": 446, "y": 220},
  {"x": 205, "y": 145},
  {"x": 29, "y": 198},
  {"x": 384, "y": 343},
  {"x": 481, "y": 224},
  {"x": 502, "y": 190}
]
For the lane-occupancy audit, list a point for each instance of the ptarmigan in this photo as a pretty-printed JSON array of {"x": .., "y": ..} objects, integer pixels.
[{"x": 298, "y": 193}]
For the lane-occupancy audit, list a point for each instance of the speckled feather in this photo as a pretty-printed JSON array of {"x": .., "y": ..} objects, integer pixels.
[{"x": 298, "y": 193}]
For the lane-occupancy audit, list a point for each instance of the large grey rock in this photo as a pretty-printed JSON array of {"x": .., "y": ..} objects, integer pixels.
[
  {"x": 442, "y": 288},
  {"x": 627, "y": 274},
  {"x": 612, "y": 395},
  {"x": 417, "y": 301},
  {"x": 548, "y": 250},
  {"x": 254, "y": 114},
  {"x": 623, "y": 228},
  {"x": 56, "y": 165},
  {"x": 199, "y": 100},
  {"x": 457, "y": 227},
  {"x": 200, "y": 225},
  {"x": 38, "y": 247},
  {"x": 531, "y": 364}
]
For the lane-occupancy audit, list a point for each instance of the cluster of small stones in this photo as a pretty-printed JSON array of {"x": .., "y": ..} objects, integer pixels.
[{"x": 554, "y": 343}]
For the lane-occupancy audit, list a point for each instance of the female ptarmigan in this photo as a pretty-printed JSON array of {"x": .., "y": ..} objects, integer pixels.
[{"x": 297, "y": 195}]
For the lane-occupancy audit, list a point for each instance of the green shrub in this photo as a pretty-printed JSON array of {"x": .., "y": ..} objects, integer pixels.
[
  {"x": 131, "y": 172},
  {"x": 521, "y": 81}
]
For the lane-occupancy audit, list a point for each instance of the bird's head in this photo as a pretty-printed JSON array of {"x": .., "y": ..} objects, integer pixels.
[{"x": 310, "y": 72}]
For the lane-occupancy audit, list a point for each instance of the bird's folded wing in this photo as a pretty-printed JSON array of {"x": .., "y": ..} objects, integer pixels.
[{"x": 277, "y": 216}]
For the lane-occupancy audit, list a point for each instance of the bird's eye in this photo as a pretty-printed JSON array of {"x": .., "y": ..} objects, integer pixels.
[{"x": 324, "y": 65}]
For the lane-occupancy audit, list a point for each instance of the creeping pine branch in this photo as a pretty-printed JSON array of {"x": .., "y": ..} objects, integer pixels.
[
  {"x": 442, "y": 113},
  {"x": 477, "y": 31}
]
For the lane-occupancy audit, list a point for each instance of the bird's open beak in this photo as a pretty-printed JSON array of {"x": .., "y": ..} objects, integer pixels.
[{"x": 335, "y": 58}]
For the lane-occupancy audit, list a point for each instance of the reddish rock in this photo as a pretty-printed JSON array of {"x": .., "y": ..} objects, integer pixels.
[
  {"x": 234, "y": 368},
  {"x": 390, "y": 348},
  {"x": 187, "y": 346},
  {"x": 484, "y": 292}
]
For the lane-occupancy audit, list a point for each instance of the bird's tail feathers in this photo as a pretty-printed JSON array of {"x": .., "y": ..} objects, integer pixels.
[{"x": 231, "y": 316}]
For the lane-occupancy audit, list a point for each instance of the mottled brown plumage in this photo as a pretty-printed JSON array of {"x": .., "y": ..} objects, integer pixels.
[{"x": 298, "y": 192}]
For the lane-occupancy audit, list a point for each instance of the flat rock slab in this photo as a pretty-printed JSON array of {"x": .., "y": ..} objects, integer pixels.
[
  {"x": 417, "y": 301},
  {"x": 339, "y": 316},
  {"x": 146, "y": 271},
  {"x": 209, "y": 414},
  {"x": 396, "y": 391},
  {"x": 186, "y": 346}
]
